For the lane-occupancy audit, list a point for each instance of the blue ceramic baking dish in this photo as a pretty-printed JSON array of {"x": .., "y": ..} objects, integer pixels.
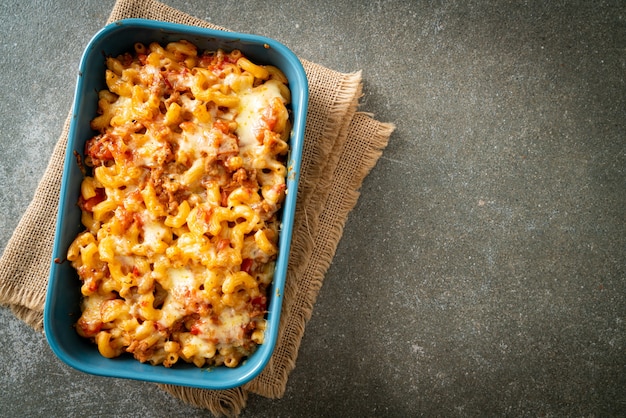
[{"x": 63, "y": 293}]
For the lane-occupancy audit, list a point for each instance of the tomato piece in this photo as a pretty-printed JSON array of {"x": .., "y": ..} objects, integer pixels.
[{"x": 246, "y": 265}]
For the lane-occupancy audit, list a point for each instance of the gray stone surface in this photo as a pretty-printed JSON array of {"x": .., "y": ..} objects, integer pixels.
[{"x": 482, "y": 272}]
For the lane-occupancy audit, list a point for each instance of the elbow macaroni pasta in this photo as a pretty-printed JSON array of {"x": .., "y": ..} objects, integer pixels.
[{"x": 180, "y": 205}]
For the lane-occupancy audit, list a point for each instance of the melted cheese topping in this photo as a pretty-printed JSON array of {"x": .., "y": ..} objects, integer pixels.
[{"x": 249, "y": 119}]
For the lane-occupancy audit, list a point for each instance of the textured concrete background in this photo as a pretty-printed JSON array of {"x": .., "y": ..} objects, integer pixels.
[{"x": 482, "y": 272}]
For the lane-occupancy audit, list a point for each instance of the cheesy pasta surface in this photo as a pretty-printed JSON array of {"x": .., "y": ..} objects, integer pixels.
[{"x": 180, "y": 197}]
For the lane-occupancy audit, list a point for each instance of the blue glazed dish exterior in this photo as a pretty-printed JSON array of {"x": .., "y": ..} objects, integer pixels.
[{"x": 62, "y": 307}]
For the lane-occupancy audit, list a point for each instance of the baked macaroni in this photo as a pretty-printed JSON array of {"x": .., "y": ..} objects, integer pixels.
[{"x": 179, "y": 200}]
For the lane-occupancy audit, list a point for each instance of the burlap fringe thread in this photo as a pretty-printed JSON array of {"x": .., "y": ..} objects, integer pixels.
[{"x": 339, "y": 154}]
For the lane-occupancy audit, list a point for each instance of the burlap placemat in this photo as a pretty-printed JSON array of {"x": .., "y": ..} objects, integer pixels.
[{"x": 341, "y": 146}]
